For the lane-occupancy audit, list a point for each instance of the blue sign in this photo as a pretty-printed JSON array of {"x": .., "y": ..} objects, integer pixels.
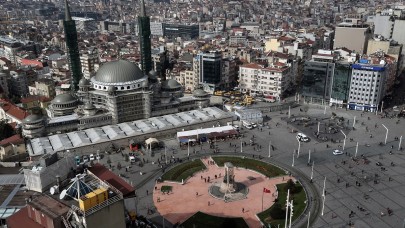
[
  {"x": 365, "y": 67},
  {"x": 363, "y": 61}
]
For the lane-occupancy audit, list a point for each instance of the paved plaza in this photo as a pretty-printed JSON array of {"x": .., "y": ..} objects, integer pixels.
[
  {"x": 185, "y": 200},
  {"x": 357, "y": 190}
]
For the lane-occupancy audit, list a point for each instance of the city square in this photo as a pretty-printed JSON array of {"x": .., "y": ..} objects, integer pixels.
[{"x": 350, "y": 180}]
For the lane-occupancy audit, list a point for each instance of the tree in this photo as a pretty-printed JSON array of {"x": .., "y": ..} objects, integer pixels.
[
  {"x": 277, "y": 212},
  {"x": 6, "y": 130},
  {"x": 292, "y": 186}
]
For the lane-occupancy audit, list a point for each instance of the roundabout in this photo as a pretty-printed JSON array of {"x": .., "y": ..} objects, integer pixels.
[{"x": 223, "y": 189}]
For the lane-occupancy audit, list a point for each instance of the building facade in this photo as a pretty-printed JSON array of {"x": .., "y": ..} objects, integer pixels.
[
  {"x": 208, "y": 67},
  {"x": 144, "y": 40},
  {"x": 367, "y": 86},
  {"x": 89, "y": 60}
]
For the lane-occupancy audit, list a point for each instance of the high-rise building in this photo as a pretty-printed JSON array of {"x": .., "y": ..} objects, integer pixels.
[
  {"x": 144, "y": 40},
  {"x": 208, "y": 68},
  {"x": 73, "y": 48}
]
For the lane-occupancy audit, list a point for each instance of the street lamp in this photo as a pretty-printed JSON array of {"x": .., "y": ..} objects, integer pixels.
[
  {"x": 354, "y": 121},
  {"x": 323, "y": 196},
  {"x": 188, "y": 148},
  {"x": 312, "y": 171},
  {"x": 386, "y": 134},
  {"x": 270, "y": 149},
  {"x": 400, "y": 142},
  {"x": 382, "y": 105},
  {"x": 357, "y": 147},
  {"x": 309, "y": 157},
  {"x": 293, "y": 158},
  {"x": 299, "y": 148},
  {"x": 241, "y": 145},
  {"x": 344, "y": 141}
]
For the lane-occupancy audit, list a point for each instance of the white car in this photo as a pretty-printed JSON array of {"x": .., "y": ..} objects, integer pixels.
[
  {"x": 85, "y": 159},
  {"x": 91, "y": 157},
  {"x": 303, "y": 138},
  {"x": 337, "y": 152}
]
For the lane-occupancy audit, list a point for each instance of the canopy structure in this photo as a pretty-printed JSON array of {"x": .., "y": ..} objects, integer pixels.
[
  {"x": 211, "y": 133},
  {"x": 149, "y": 141}
]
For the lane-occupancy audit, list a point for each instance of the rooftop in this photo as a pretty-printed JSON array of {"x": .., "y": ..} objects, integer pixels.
[{"x": 61, "y": 142}]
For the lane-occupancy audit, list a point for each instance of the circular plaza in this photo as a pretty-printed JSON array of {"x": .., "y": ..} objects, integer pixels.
[{"x": 222, "y": 187}]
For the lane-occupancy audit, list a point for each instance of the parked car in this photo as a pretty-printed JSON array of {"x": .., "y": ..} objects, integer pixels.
[
  {"x": 85, "y": 158},
  {"x": 337, "y": 152},
  {"x": 92, "y": 157}
]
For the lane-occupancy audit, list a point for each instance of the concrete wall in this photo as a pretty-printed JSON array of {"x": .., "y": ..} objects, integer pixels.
[
  {"x": 110, "y": 216},
  {"x": 374, "y": 45},
  {"x": 352, "y": 38}
]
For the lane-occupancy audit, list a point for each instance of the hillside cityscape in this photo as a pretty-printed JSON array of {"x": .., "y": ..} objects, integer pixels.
[{"x": 174, "y": 113}]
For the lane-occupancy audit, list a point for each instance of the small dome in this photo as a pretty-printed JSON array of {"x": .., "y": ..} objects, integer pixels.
[
  {"x": 89, "y": 106},
  {"x": 199, "y": 93},
  {"x": 64, "y": 98},
  {"x": 84, "y": 82},
  {"x": 118, "y": 72},
  {"x": 34, "y": 118},
  {"x": 171, "y": 84},
  {"x": 153, "y": 73}
]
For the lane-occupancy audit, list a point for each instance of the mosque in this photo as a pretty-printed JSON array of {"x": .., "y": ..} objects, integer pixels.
[{"x": 119, "y": 92}]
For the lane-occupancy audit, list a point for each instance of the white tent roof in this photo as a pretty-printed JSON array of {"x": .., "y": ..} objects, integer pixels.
[
  {"x": 151, "y": 140},
  {"x": 204, "y": 131}
]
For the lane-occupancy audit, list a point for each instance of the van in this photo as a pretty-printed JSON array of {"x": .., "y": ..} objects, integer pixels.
[{"x": 247, "y": 125}]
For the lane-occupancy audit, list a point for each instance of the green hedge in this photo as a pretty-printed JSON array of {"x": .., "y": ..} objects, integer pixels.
[
  {"x": 256, "y": 165},
  {"x": 183, "y": 171},
  {"x": 202, "y": 220},
  {"x": 299, "y": 205}
]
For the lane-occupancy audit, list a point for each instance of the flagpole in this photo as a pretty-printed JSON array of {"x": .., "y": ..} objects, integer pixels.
[{"x": 262, "y": 198}]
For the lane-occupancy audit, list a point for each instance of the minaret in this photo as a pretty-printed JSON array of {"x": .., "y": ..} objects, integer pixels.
[
  {"x": 73, "y": 49},
  {"x": 144, "y": 40}
]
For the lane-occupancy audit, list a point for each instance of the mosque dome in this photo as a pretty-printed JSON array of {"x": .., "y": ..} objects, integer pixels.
[
  {"x": 118, "y": 72},
  {"x": 64, "y": 98}
]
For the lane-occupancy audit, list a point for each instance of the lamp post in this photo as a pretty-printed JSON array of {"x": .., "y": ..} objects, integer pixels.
[
  {"x": 323, "y": 196},
  {"x": 188, "y": 148},
  {"x": 293, "y": 158},
  {"x": 312, "y": 171},
  {"x": 376, "y": 110},
  {"x": 400, "y": 142},
  {"x": 386, "y": 134},
  {"x": 319, "y": 123},
  {"x": 344, "y": 141},
  {"x": 286, "y": 208},
  {"x": 241, "y": 145},
  {"x": 289, "y": 111},
  {"x": 357, "y": 147},
  {"x": 382, "y": 105},
  {"x": 309, "y": 157},
  {"x": 299, "y": 148},
  {"x": 354, "y": 121},
  {"x": 166, "y": 155},
  {"x": 270, "y": 149},
  {"x": 309, "y": 216}
]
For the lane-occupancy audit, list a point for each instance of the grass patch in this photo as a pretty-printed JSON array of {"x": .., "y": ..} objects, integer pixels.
[
  {"x": 299, "y": 205},
  {"x": 201, "y": 220},
  {"x": 183, "y": 171},
  {"x": 166, "y": 188},
  {"x": 259, "y": 166}
]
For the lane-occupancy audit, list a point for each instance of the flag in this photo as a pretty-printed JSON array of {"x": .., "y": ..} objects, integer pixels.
[{"x": 265, "y": 190}]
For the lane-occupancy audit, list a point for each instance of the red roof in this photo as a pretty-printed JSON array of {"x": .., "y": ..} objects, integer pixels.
[
  {"x": 21, "y": 219},
  {"x": 13, "y": 110},
  {"x": 106, "y": 175},
  {"x": 252, "y": 66},
  {"x": 15, "y": 139}
]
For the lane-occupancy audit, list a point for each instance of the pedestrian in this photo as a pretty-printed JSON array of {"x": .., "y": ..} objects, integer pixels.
[
  {"x": 196, "y": 193},
  {"x": 243, "y": 210},
  {"x": 201, "y": 177},
  {"x": 209, "y": 203},
  {"x": 147, "y": 192}
]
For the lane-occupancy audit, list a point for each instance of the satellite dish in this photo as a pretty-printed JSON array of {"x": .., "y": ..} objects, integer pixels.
[{"x": 62, "y": 195}]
